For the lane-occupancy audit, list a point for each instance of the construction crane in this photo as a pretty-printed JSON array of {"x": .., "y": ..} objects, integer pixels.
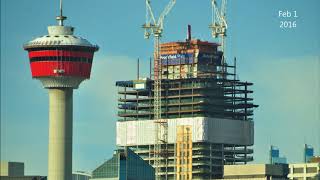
[
  {"x": 155, "y": 27},
  {"x": 219, "y": 27}
]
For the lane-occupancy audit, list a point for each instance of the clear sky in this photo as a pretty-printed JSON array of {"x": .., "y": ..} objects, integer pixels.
[{"x": 284, "y": 65}]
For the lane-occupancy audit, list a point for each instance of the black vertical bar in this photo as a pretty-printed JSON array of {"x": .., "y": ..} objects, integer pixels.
[
  {"x": 150, "y": 68},
  {"x": 246, "y": 102},
  {"x": 138, "y": 69},
  {"x": 235, "y": 68}
]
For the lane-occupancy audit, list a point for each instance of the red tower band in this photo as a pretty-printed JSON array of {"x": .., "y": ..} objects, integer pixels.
[{"x": 68, "y": 61}]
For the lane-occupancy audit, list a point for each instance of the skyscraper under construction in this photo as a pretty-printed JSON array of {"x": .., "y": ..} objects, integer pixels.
[{"x": 208, "y": 113}]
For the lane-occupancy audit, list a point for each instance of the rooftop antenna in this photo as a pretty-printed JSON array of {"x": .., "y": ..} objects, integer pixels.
[
  {"x": 189, "y": 33},
  {"x": 138, "y": 69},
  {"x": 150, "y": 68},
  {"x": 61, "y": 18}
]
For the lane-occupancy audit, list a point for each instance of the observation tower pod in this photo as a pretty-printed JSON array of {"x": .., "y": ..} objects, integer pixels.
[{"x": 61, "y": 61}]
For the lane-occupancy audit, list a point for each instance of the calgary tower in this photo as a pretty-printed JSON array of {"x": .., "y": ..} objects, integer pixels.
[{"x": 61, "y": 61}]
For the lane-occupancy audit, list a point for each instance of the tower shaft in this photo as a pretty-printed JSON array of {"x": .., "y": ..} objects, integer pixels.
[{"x": 60, "y": 134}]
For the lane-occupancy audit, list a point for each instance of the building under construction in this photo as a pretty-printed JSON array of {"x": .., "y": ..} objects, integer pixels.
[{"x": 207, "y": 109}]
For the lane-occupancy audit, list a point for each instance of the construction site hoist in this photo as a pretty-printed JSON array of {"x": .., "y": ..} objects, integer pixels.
[{"x": 155, "y": 27}]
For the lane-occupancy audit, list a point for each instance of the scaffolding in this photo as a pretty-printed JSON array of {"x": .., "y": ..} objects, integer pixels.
[
  {"x": 205, "y": 97},
  {"x": 207, "y": 159},
  {"x": 192, "y": 97},
  {"x": 194, "y": 84},
  {"x": 155, "y": 27}
]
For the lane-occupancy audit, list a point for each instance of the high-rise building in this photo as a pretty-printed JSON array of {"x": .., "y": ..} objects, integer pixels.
[
  {"x": 11, "y": 168},
  {"x": 308, "y": 153},
  {"x": 61, "y": 61},
  {"x": 124, "y": 165},
  {"x": 207, "y": 109},
  {"x": 274, "y": 156}
]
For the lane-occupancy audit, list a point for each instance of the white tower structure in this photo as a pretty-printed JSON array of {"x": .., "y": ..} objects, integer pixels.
[{"x": 61, "y": 61}]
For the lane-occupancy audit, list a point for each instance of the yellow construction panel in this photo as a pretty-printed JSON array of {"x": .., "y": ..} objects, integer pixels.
[{"x": 184, "y": 153}]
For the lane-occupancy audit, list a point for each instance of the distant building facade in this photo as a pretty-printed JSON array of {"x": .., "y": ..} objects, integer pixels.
[
  {"x": 304, "y": 171},
  {"x": 124, "y": 165},
  {"x": 23, "y": 178},
  {"x": 256, "y": 172},
  {"x": 80, "y": 175},
  {"x": 275, "y": 156},
  {"x": 308, "y": 153},
  {"x": 315, "y": 159},
  {"x": 11, "y": 168}
]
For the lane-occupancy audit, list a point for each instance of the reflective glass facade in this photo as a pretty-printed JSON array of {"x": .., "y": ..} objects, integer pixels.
[{"x": 124, "y": 165}]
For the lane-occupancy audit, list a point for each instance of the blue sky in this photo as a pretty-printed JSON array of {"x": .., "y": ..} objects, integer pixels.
[{"x": 284, "y": 65}]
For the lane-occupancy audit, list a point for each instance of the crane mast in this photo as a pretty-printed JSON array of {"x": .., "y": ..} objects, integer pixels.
[
  {"x": 155, "y": 28},
  {"x": 219, "y": 28}
]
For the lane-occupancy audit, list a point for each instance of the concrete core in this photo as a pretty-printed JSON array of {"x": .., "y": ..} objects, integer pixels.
[{"x": 60, "y": 134}]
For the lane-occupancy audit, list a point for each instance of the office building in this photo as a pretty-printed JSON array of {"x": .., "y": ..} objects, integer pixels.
[
  {"x": 308, "y": 153},
  {"x": 124, "y": 165},
  {"x": 11, "y": 168},
  {"x": 23, "y": 178},
  {"x": 80, "y": 175},
  {"x": 275, "y": 156},
  {"x": 256, "y": 172},
  {"x": 304, "y": 171}
]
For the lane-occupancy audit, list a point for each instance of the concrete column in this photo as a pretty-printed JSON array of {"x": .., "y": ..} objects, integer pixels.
[{"x": 60, "y": 134}]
